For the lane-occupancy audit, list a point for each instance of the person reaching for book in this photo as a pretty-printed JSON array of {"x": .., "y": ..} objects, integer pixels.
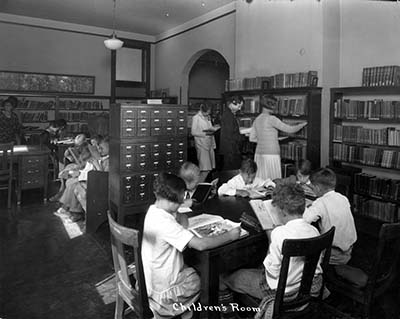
[
  {"x": 264, "y": 132},
  {"x": 246, "y": 181},
  {"x": 168, "y": 279}
]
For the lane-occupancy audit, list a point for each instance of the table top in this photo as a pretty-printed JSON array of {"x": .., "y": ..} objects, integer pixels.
[{"x": 29, "y": 150}]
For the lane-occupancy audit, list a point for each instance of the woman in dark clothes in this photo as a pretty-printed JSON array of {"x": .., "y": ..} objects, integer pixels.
[{"x": 10, "y": 127}]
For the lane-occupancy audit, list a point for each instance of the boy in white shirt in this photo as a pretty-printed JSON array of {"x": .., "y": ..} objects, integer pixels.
[
  {"x": 243, "y": 182},
  {"x": 332, "y": 209},
  {"x": 261, "y": 283}
]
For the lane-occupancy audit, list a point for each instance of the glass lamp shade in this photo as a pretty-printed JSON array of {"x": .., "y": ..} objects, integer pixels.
[{"x": 113, "y": 43}]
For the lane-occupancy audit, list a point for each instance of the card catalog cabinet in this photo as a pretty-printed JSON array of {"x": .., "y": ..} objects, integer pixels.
[{"x": 144, "y": 141}]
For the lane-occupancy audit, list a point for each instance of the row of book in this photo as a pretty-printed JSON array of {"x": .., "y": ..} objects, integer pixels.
[
  {"x": 382, "y": 188},
  {"x": 77, "y": 127},
  {"x": 366, "y": 156},
  {"x": 81, "y": 105},
  {"x": 281, "y": 80},
  {"x": 251, "y": 105},
  {"x": 77, "y": 116},
  {"x": 384, "y": 211},
  {"x": 294, "y": 151},
  {"x": 291, "y": 106},
  {"x": 388, "y": 75},
  {"x": 245, "y": 122},
  {"x": 34, "y": 117},
  {"x": 32, "y": 104},
  {"x": 389, "y": 136},
  {"x": 372, "y": 109}
]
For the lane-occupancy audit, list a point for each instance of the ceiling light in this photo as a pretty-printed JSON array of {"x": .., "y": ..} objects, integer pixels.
[{"x": 113, "y": 43}]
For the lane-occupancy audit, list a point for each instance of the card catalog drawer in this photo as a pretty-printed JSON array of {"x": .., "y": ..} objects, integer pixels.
[
  {"x": 142, "y": 166},
  {"x": 169, "y": 130},
  {"x": 181, "y": 145},
  {"x": 127, "y": 149},
  {"x": 143, "y": 131},
  {"x": 181, "y": 130},
  {"x": 156, "y": 122},
  {"x": 182, "y": 113},
  {"x": 181, "y": 121},
  {"x": 143, "y": 122},
  {"x": 143, "y": 113},
  {"x": 156, "y": 148},
  {"x": 156, "y": 113},
  {"x": 157, "y": 131},
  {"x": 127, "y": 158},
  {"x": 128, "y": 131},
  {"x": 143, "y": 148},
  {"x": 128, "y": 113},
  {"x": 128, "y": 181},
  {"x": 128, "y": 122},
  {"x": 169, "y": 146},
  {"x": 169, "y": 122},
  {"x": 169, "y": 113}
]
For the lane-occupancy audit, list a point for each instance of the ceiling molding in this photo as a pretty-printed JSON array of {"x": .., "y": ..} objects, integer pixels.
[
  {"x": 70, "y": 27},
  {"x": 196, "y": 22}
]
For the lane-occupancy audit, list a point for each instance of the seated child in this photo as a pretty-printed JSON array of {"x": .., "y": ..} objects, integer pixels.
[
  {"x": 190, "y": 173},
  {"x": 244, "y": 181},
  {"x": 103, "y": 165},
  {"x": 332, "y": 209},
  {"x": 168, "y": 279},
  {"x": 261, "y": 282}
]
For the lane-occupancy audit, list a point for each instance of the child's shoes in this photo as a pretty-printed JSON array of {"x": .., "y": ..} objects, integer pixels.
[{"x": 62, "y": 212}]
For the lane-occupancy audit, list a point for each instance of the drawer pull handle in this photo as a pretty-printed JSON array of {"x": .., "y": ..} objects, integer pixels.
[
  {"x": 129, "y": 147},
  {"x": 129, "y": 111}
]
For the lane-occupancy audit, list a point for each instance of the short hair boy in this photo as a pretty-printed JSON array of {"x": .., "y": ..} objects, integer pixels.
[
  {"x": 245, "y": 180},
  {"x": 332, "y": 209},
  {"x": 289, "y": 200}
]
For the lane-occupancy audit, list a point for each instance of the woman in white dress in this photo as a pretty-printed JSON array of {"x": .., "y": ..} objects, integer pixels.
[
  {"x": 203, "y": 132},
  {"x": 264, "y": 132}
]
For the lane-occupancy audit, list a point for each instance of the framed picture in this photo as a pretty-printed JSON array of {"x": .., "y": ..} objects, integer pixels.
[{"x": 46, "y": 82}]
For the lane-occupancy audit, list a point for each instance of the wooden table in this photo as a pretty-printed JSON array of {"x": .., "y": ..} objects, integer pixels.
[
  {"x": 246, "y": 252},
  {"x": 33, "y": 161}
]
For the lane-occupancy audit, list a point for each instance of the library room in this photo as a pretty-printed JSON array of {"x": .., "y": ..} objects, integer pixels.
[{"x": 224, "y": 159}]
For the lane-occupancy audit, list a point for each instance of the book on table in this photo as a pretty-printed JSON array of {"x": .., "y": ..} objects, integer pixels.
[
  {"x": 207, "y": 225},
  {"x": 203, "y": 191},
  {"x": 266, "y": 213}
]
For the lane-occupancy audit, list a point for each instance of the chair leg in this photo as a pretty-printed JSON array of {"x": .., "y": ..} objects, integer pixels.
[
  {"x": 119, "y": 307},
  {"x": 9, "y": 195}
]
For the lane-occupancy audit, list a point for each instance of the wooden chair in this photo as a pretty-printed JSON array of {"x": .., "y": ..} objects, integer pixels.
[
  {"x": 6, "y": 169},
  {"x": 96, "y": 200},
  {"x": 382, "y": 275},
  {"x": 132, "y": 293},
  {"x": 311, "y": 249}
]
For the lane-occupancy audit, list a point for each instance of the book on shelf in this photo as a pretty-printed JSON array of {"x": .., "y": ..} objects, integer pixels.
[
  {"x": 370, "y": 109},
  {"x": 266, "y": 213},
  {"x": 207, "y": 225},
  {"x": 388, "y": 75}
]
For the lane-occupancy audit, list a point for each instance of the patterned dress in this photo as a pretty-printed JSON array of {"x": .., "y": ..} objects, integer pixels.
[{"x": 9, "y": 128}]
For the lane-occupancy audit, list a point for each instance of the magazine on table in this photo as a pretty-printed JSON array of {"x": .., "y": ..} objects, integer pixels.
[
  {"x": 207, "y": 225},
  {"x": 266, "y": 213}
]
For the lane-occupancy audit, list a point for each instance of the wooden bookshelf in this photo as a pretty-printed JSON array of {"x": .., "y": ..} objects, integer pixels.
[
  {"x": 306, "y": 143},
  {"x": 365, "y": 134}
]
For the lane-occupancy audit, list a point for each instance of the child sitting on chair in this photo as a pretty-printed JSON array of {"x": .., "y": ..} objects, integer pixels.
[
  {"x": 262, "y": 282},
  {"x": 168, "y": 280},
  {"x": 244, "y": 181},
  {"x": 190, "y": 173},
  {"x": 332, "y": 209}
]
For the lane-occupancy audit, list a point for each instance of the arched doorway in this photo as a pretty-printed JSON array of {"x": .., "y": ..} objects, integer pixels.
[{"x": 206, "y": 84}]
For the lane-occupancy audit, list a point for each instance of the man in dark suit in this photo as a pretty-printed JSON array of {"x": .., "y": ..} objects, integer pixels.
[{"x": 230, "y": 138}]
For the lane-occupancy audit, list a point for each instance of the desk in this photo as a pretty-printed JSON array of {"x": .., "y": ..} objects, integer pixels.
[
  {"x": 247, "y": 252},
  {"x": 32, "y": 172}
]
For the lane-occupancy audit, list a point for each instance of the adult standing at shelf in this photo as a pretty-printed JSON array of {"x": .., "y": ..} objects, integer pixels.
[
  {"x": 204, "y": 141},
  {"x": 230, "y": 138},
  {"x": 264, "y": 132},
  {"x": 10, "y": 127}
]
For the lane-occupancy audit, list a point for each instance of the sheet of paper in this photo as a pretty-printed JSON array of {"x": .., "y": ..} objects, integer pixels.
[
  {"x": 183, "y": 210},
  {"x": 206, "y": 225}
]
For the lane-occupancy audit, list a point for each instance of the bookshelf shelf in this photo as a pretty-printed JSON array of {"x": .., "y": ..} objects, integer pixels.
[
  {"x": 376, "y": 187},
  {"x": 294, "y": 104}
]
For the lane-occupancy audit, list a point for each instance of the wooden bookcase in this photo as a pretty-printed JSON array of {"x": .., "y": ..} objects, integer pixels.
[
  {"x": 307, "y": 100},
  {"x": 365, "y": 134},
  {"x": 36, "y": 110},
  {"x": 144, "y": 141}
]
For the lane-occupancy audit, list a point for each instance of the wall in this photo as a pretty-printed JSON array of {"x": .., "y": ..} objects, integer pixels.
[
  {"x": 38, "y": 45},
  {"x": 278, "y": 36},
  {"x": 369, "y": 37},
  {"x": 175, "y": 56},
  {"x": 207, "y": 80}
]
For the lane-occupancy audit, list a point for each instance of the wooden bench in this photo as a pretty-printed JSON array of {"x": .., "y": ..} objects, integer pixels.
[{"x": 97, "y": 200}]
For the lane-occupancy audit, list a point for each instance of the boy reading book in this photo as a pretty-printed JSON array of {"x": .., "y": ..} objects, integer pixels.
[
  {"x": 261, "y": 283},
  {"x": 245, "y": 183}
]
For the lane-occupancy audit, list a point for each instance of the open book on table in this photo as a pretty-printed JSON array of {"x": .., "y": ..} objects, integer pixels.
[
  {"x": 267, "y": 214},
  {"x": 207, "y": 225}
]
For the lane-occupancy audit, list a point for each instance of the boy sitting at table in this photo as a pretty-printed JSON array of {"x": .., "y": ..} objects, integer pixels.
[
  {"x": 246, "y": 180},
  {"x": 332, "y": 209},
  {"x": 190, "y": 173},
  {"x": 261, "y": 283}
]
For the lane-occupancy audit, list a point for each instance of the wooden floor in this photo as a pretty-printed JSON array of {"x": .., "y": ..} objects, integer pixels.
[{"x": 50, "y": 269}]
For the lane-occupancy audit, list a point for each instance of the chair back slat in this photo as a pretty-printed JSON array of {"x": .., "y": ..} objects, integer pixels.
[
  {"x": 133, "y": 293},
  {"x": 311, "y": 250}
]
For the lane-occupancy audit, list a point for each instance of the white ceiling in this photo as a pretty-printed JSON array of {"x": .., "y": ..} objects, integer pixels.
[{"x": 137, "y": 16}]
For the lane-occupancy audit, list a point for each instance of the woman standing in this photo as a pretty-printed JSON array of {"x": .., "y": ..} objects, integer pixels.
[
  {"x": 203, "y": 132},
  {"x": 10, "y": 127},
  {"x": 264, "y": 132}
]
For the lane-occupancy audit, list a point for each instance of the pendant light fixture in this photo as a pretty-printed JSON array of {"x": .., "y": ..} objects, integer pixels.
[{"x": 113, "y": 43}]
